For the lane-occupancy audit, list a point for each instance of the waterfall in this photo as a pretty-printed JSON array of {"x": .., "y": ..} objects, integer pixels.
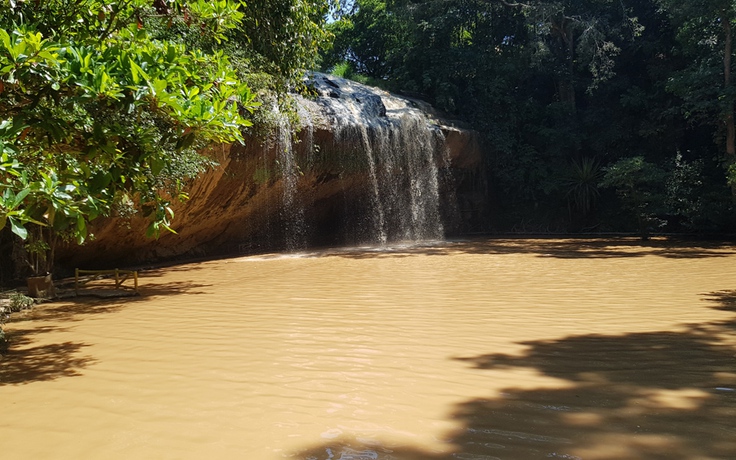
[
  {"x": 292, "y": 211},
  {"x": 410, "y": 154},
  {"x": 359, "y": 136},
  {"x": 400, "y": 152}
]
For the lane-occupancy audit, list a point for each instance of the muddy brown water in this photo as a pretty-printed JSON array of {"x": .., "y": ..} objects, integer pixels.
[{"x": 511, "y": 349}]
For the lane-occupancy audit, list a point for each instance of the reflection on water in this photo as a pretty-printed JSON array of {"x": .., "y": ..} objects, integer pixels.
[{"x": 513, "y": 349}]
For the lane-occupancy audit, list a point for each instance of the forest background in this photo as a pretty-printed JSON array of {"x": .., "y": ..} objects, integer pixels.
[{"x": 595, "y": 115}]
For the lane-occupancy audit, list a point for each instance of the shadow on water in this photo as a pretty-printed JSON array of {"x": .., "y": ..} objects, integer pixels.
[
  {"x": 570, "y": 248},
  {"x": 725, "y": 300},
  {"x": 653, "y": 395},
  {"x": 43, "y": 363},
  {"x": 98, "y": 300},
  {"x": 26, "y": 360}
]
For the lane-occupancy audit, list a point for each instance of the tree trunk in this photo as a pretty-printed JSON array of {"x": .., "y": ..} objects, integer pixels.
[
  {"x": 730, "y": 125},
  {"x": 562, "y": 27},
  {"x": 569, "y": 41}
]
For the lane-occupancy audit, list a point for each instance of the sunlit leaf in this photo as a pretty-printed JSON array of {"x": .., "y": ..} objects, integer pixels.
[{"x": 17, "y": 227}]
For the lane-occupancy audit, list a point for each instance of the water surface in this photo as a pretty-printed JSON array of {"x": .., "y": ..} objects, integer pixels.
[{"x": 512, "y": 349}]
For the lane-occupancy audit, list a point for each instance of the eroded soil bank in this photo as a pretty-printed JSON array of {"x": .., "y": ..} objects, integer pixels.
[{"x": 507, "y": 349}]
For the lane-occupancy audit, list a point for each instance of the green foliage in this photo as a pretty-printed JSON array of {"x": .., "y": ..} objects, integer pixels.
[
  {"x": 15, "y": 302},
  {"x": 583, "y": 36},
  {"x": 582, "y": 184},
  {"x": 705, "y": 34},
  {"x": 282, "y": 37},
  {"x": 97, "y": 107},
  {"x": 640, "y": 186},
  {"x": 345, "y": 69},
  {"x": 369, "y": 39},
  {"x": 699, "y": 197},
  {"x": 18, "y": 301},
  {"x": 553, "y": 84}
]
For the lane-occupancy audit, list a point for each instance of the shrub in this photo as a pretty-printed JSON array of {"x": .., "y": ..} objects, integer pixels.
[{"x": 16, "y": 302}]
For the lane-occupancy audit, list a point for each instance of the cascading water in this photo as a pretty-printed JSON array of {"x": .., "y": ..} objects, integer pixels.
[
  {"x": 402, "y": 151},
  {"x": 358, "y": 136},
  {"x": 379, "y": 152},
  {"x": 306, "y": 127},
  {"x": 410, "y": 154},
  {"x": 292, "y": 212}
]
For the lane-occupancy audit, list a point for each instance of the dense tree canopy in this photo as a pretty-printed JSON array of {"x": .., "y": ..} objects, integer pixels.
[
  {"x": 97, "y": 112},
  {"x": 570, "y": 95},
  {"x": 106, "y": 105}
]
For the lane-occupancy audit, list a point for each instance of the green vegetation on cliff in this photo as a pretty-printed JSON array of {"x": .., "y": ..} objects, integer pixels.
[{"x": 105, "y": 105}]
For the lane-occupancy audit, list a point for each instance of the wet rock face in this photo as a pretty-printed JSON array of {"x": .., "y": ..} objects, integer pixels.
[
  {"x": 363, "y": 167},
  {"x": 342, "y": 98}
]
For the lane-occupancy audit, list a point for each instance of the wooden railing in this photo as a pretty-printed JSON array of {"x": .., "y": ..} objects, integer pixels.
[{"x": 120, "y": 277}]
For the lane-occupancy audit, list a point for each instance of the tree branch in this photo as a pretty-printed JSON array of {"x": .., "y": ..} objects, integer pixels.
[{"x": 516, "y": 4}]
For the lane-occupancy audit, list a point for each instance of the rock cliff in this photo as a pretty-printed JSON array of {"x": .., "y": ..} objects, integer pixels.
[{"x": 362, "y": 167}]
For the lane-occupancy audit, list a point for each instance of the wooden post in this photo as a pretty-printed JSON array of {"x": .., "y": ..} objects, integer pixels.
[{"x": 76, "y": 282}]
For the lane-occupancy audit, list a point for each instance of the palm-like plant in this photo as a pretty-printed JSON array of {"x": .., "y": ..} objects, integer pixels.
[{"x": 582, "y": 184}]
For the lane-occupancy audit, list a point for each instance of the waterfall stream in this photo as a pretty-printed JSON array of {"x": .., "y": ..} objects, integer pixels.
[
  {"x": 292, "y": 212},
  {"x": 402, "y": 153}
]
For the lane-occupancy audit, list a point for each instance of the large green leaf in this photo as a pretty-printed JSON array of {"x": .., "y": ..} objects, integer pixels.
[{"x": 17, "y": 227}]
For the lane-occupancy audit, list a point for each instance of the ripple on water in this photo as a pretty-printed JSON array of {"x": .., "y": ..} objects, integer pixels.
[{"x": 478, "y": 349}]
